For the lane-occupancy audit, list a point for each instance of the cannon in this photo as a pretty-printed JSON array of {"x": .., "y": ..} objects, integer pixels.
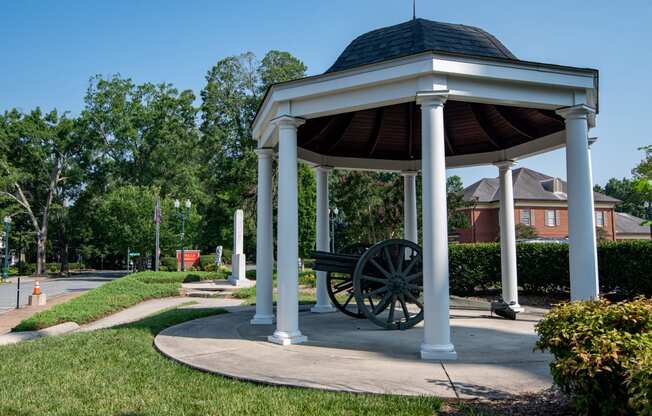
[{"x": 385, "y": 281}]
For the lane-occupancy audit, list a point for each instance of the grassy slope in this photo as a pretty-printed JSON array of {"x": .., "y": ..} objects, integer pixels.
[
  {"x": 118, "y": 372},
  {"x": 113, "y": 297}
]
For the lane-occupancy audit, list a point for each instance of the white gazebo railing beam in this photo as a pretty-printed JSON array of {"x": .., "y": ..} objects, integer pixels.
[
  {"x": 323, "y": 304},
  {"x": 410, "y": 228},
  {"x": 287, "y": 307},
  {"x": 264, "y": 240},
  {"x": 581, "y": 217},
  {"x": 508, "y": 267},
  {"x": 437, "y": 341}
]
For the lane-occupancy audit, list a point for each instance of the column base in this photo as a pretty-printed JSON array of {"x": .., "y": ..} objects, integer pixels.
[
  {"x": 287, "y": 338},
  {"x": 262, "y": 320},
  {"x": 517, "y": 308},
  {"x": 241, "y": 282},
  {"x": 323, "y": 309},
  {"x": 438, "y": 352}
]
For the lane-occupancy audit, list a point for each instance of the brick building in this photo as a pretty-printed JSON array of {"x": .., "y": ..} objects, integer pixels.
[{"x": 539, "y": 201}]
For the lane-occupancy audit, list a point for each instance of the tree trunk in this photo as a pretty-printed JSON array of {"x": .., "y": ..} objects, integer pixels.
[{"x": 41, "y": 241}]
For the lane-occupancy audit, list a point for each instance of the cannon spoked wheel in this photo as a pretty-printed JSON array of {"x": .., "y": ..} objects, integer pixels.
[
  {"x": 340, "y": 286},
  {"x": 388, "y": 283}
]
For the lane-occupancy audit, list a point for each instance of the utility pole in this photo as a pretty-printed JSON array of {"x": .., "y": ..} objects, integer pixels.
[{"x": 157, "y": 221}]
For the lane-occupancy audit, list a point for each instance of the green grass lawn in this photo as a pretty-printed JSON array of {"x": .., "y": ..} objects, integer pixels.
[
  {"x": 115, "y": 296},
  {"x": 248, "y": 296},
  {"x": 118, "y": 372}
]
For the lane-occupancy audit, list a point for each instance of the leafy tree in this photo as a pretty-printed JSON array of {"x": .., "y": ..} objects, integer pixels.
[
  {"x": 40, "y": 153},
  {"x": 525, "y": 232},
  {"x": 457, "y": 218},
  {"x": 234, "y": 89},
  {"x": 125, "y": 221},
  {"x": 625, "y": 190}
]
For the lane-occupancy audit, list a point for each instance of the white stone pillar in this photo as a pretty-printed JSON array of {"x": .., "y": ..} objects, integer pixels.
[
  {"x": 581, "y": 216},
  {"x": 437, "y": 342},
  {"x": 410, "y": 229},
  {"x": 287, "y": 305},
  {"x": 323, "y": 304},
  {"x": 264, "y": 241},
  {"x": 508, "y": 236},
  {"x": 238, "y": 261}
]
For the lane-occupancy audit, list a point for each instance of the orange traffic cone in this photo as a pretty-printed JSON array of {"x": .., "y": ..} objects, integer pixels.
[{"x": 37, "y": 289}]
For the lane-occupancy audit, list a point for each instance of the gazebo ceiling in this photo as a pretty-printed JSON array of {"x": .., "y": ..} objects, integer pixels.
[{"x": 394, "y": 132}]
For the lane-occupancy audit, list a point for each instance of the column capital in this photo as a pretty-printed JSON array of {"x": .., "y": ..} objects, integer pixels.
[
  {"x": 287, "y": 121},
  {"x": 264, "y": 152},
  {"x": 432, "y": 98},
  {"x": 323, "y": 168},
  {"x": 504, "y": 164},
  {"x": 409, "y": 173},
  {"x": 581, "y": 111}
]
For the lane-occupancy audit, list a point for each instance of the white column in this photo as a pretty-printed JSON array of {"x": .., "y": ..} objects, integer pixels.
[
  {"x": 508, "y": 236},
  {"x": 410, "y": 229},
  {"x": 264, "y": 241},
  {"x": 287, "y": 305},
  {"x": 323, "y": 304},
  {"x": 581, "y": 216},
  {"x": 437, "y": 342}
]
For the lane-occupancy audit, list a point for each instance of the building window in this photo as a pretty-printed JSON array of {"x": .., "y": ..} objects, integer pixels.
[
  {"x": 552, "y": 219},
  {"x": 599, "y": 218},
  {"x": 526, "y": 216}
]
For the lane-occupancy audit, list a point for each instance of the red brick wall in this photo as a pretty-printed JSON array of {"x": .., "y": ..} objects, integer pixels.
[
  {"x": 484, "y": 226},
  {"x": 484, "y": 223}
]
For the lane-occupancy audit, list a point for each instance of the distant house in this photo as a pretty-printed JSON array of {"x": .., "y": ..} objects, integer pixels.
[
  {"x": 540, "y": 201},
  {"x": 628, "y": 227}
]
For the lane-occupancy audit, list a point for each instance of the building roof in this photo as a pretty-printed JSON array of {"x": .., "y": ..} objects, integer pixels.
[
  {"x": 417, "y": 36},
  {"x": 629, "y": 224},
  {"x": 528, "y": 185}
]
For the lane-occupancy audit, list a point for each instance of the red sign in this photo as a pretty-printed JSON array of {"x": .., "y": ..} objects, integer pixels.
[{"x": 191, "y": 259}]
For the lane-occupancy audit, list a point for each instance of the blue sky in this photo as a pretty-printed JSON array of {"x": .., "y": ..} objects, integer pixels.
[{"x": 49, "y": 49}]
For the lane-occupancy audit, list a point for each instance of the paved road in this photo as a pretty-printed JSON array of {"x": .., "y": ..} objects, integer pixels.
[{"x": 52, "y": 287}]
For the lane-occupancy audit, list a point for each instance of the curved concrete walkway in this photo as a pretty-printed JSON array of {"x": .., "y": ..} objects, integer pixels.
[{"x": 495, "y": 356}]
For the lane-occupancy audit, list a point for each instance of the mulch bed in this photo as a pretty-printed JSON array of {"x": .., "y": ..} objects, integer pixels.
[{"x": 548, "y": 403}]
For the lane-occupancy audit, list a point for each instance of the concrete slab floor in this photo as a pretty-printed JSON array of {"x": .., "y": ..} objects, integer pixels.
[{"x": 495, "y": 356}]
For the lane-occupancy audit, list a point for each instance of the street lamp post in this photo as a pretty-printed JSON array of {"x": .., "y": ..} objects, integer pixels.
[
  {"x": 182, "y": 213},
  {"x": 5, "y": 265}
]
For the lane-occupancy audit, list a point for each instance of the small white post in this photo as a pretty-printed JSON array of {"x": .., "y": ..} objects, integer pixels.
[
  {"x": 508, "y": 236},
  {"x": 410, "y": 229},
  {"x": 264, "y": 241},
  {"x": 581, "y": 213},
  {"x": 287, "y": 307},
  {"x": 323, "y": 304},
  {"x": 238, "y": 262},
  {"x": 437, "y": 343}
]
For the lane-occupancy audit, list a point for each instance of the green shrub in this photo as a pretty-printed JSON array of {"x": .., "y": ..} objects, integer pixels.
[
  {"x": 308, "y": 278},
  {"x": 602, "y": 354},
  {"x": 170, "y": 263}
]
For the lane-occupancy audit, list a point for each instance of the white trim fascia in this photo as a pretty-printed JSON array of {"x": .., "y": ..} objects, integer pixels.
[{"x": 582, "y": 80}]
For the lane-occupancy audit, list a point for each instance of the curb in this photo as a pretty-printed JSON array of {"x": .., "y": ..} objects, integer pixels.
[{"x": 16, "y": 337}]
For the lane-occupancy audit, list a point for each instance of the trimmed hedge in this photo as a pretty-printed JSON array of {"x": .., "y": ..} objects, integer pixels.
[
  {"x": 543, "y": 267},
  {"x": 602, "y": 354}
]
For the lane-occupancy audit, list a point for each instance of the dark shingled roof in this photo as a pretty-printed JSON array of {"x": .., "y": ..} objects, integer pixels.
[
  {"x": 528, "y": 185},
  {"x": 629, "y": 224},
  {"x": 416, "y": 36}
]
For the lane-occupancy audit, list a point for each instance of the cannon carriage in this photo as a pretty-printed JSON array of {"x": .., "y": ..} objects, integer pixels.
[{"x": 382, "y": 283}]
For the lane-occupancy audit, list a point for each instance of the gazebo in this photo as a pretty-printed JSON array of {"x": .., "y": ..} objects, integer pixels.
[{"x": 421, "y": 96}]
